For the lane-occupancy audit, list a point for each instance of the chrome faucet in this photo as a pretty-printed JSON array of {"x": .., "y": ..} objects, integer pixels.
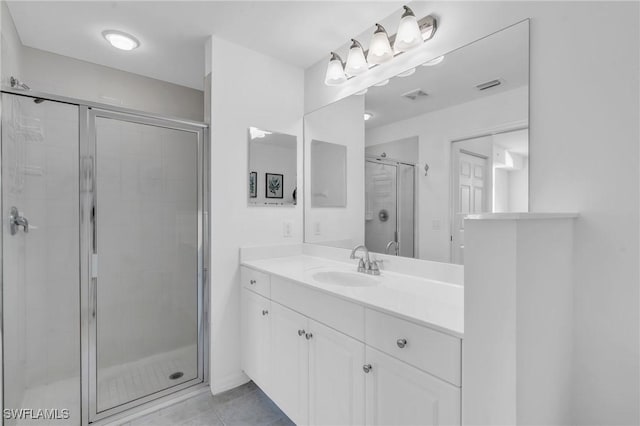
[{"x": 365, "y": 264}]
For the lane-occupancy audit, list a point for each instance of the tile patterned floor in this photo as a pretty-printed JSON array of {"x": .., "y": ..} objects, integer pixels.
[{"x": 245, "y": 405}]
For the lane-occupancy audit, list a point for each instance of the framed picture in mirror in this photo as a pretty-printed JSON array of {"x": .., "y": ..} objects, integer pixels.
[
  {"x": 253, "y": 184},
  {"x": 274, "y": 183}
]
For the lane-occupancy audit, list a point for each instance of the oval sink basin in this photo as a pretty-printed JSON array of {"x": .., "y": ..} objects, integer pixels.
[{"x": 347, "y": 279}]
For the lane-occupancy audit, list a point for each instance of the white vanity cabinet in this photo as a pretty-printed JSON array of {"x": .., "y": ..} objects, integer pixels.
[
  {"x": 327, "y": 361},
  {"x": 400, "y": 394},
  {"x": 256, "y": 337}
]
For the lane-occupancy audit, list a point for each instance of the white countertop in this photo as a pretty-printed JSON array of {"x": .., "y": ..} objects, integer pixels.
[{"x": 432, "y": 303}]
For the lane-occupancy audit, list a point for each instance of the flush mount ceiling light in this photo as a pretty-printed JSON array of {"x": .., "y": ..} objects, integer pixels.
[
  {"x": 121, "y": 40},
  {"x": 356, "y": 62},
  {"x": 433, "y": 62},
  {"x": 335, "y": 71},
  {"x": 380, "y": 48},
  {"x": 368, "y": 116},
  {"x": 411, "y": 33}
]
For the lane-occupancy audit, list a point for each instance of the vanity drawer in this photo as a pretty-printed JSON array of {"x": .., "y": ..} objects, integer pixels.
[
  {"x": 426, "y": 349},
  {"x": 337, "y": 313},
  {"x": 255, "y": 281}
]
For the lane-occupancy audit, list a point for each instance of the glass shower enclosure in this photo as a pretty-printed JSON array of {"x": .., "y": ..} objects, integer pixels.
[{"x": 104, "y": 244}]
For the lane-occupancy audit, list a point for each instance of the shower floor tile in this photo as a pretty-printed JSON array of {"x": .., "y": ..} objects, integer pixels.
[{"x": 245, "y": 405}]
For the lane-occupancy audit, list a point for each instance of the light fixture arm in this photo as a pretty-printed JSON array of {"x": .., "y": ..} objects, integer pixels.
[
  {"x": 407, "y": 12},
  {"x": 335, "y": 56},
  {"x": 355, "y": 43}
]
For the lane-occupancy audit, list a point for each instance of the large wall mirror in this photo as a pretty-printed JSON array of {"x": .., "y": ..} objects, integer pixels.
[
  {"x": 426, "y": 148},
  {"x": 272, "y": 175}
]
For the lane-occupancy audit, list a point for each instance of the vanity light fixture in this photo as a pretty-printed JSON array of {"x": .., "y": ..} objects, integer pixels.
[
  {"x": 382, "y": 83},
  {"x": 368, "y": 116},
  {"x": 356, "y": 62},
  {"x": 121, "y": 40},
  {"x": 380, "y": 48},
  {"x": 411, "y": 33},
  {"x": 434, "y": 61},
  {"x": 335, "y": 71}
]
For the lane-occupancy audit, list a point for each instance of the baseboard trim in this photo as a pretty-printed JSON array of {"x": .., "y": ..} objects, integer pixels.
[{"x": 230, "y": 381}]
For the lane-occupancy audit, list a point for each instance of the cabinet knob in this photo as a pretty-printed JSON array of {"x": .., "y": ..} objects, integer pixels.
[
  {"x": 308, "y": 336},
  {"x": 301, "y": 332},
  {"x": 401, "y": 343},
  {"x": 252, "y": 282},
  {"x": 367, "y": 367},
  {"x": 265, "y": 312}
]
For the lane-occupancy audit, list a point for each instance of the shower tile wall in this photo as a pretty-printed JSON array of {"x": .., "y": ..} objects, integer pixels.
[
  {"x": 147, "y": 255},
  {"x": 41, "y": 281}
]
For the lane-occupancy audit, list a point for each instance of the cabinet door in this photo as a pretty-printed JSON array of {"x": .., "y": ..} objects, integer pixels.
[
  {"x": 399, "y": 394},
  {"x": 256, "y": 337},
  {"x": 290, "y": 363},
  {"x": 336, "y": 378}
]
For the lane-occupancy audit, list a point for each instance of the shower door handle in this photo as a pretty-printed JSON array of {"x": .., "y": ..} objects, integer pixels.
[{"x": 16, "y": 221}]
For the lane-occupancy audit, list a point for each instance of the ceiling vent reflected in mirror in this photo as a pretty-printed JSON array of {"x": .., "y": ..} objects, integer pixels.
[
  {"x": 489, "y": 84},
  {"x": 415, "y": 95}
]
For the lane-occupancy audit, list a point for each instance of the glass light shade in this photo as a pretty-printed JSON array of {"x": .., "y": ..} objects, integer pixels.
[
  {"x": 120, "y": 40},
  {"x": 408, "y": 35},
  {"x": 335, "y": 72},
  {"x": 379, "y": 49},
  {"x": 356, "y": 62}
]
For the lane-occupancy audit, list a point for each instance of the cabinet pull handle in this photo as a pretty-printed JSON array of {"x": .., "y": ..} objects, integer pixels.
[
  {"x": 308, "y": 336},
  {"x": 367, "y": 368},
  {"x": 401, "y": 343},
  {"x": 301, "y": 333},
  {"x": 252, "y": 282},
  {"x": 265, "y": 312}
]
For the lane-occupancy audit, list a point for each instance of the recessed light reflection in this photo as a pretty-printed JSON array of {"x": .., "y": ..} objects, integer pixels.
[
  {"x": 407, "y": 73},
  {"x": 433, "y": 62}
]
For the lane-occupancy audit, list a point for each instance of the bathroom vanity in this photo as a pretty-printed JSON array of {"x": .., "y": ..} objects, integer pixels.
[{"x": 330, "y": 345}]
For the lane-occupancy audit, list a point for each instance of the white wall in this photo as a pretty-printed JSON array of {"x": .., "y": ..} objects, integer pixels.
[
  {"x": 11, "y": 46},
  {"x": 247, "y": 89},
  {"x": 406, "y": 149},
  {"x": 584, "y": 114},
  {"x": 435, "y": 131},
  {"x": 340, "y": 123}
]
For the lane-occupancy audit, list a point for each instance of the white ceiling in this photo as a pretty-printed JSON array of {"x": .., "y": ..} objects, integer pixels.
[
  {"x": 173, "y": 33},
  {"x": 504, "y": 55}
]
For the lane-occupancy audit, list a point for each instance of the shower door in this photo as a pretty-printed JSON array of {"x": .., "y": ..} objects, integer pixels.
[
  {"x": 40, "y": 261},
  {"x": 390, "y": 207},
  {"x": 144, "y": 238}
]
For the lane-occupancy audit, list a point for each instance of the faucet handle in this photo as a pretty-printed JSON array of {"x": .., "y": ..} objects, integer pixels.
[
  {"x": 361, "y": 265},
  {"x": 373, "y": 268}
]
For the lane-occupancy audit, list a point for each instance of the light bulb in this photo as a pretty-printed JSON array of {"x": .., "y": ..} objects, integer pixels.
[
  {"x": 356, "y": 62},
  {"x": 121, "y": 40},
  {"x": 368, "y": 116},
  {"x": 379, "y": 49},
  {"x": 335, "y": 71},
  {"x": 409, "y": 34}
]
